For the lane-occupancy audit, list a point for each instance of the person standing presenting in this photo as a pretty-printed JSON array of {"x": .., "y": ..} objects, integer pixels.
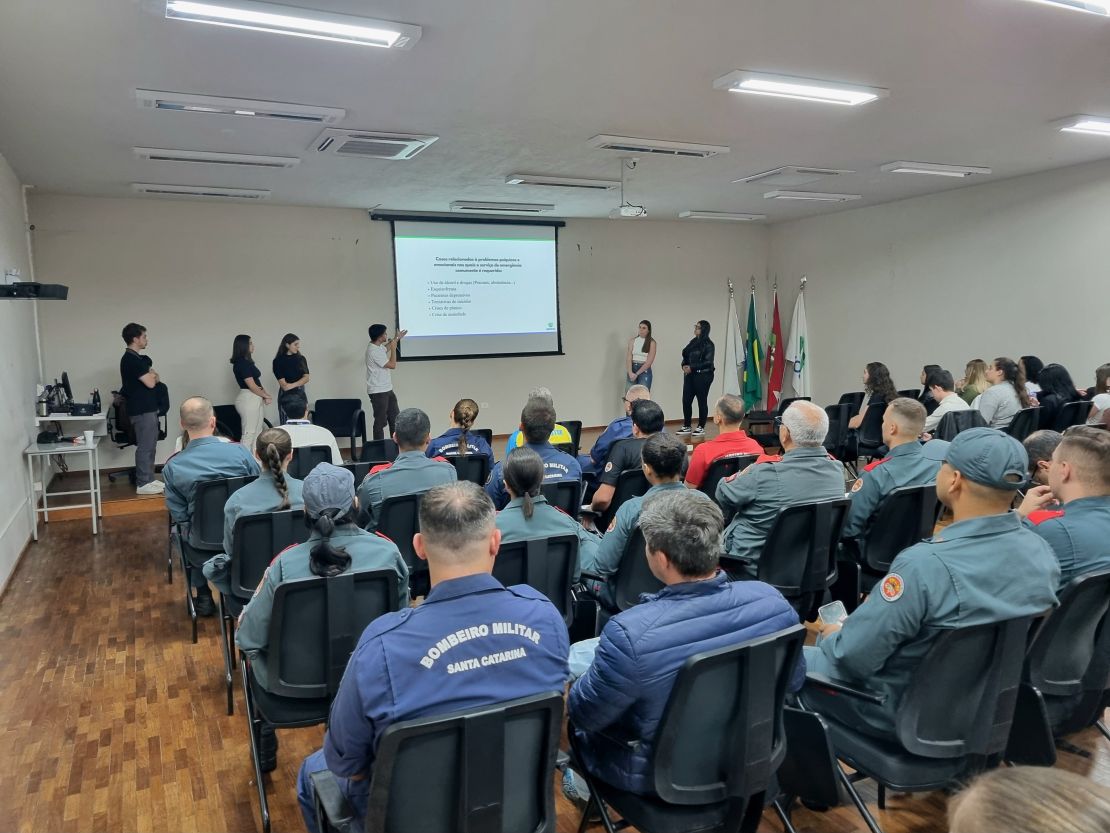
[
  {"x": 639, "y": 357},
  {"x": 697, "y": 367},
  {"x": 252, "y": 397},
  {"x": 138, "y": 379},
  {"x": 381, "y": 358},
  {"x": 291, "y": 371}
]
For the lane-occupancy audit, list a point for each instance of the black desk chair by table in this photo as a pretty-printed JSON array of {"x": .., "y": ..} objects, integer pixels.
[
  {"x": 1023, "y": 424},
  {"x": 565, "y": 495},
  {"x": 492, "y": 768},
  {"x": 343, "y": 417},
  {"x": 718, "y": 745},
  {"x": 379, "y": 451},
  {"x": 315, "y": 625},
  {"x": 472, "y": 467},
  {"x": 306, "y": 458},
  {"x": 721, "y": 468},
  {"x": 953, "y": 422},
  {"x": 399, "y": 520},
  {"x": 545, "y": 564},
  {"x": 122, "y": 433}
]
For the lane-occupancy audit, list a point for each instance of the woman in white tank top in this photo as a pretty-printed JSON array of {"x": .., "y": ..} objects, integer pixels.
[{"x": 639, "y": 357}]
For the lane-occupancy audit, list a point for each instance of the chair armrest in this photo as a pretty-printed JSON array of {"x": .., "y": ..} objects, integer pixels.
[
  {"x": 626, "y": 742},
  {"x": 333, "y": 811},
  {"x": 813, "y": 678}
]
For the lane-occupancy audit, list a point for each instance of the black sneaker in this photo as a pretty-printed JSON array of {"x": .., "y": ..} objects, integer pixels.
[
  {"x": 685, "y": 429},
  {"x": 204, "y": 604},
  {"x": 267, "y": 747},
  {"x": 699, "y": 431}
]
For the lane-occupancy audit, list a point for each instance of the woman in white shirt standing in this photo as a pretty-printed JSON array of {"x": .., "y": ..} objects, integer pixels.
[
  {"x": 639, "y": 357},
  {"x": 1006, "y": 396}
]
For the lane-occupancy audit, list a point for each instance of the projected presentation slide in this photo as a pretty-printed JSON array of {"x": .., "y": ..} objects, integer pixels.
[{"x": 476, "y": 289}]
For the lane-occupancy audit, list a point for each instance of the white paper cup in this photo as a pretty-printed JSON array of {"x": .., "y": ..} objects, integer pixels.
[{"x": 89, "y": 436}]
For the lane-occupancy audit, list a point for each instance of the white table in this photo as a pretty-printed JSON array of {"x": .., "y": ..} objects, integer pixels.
[
  {"x": 99, "y": 422},
  {"x": 42, "y": 453}
]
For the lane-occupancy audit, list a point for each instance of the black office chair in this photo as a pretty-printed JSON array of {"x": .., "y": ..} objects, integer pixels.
[
  {"x": 255, "y": 541},
  {"x": 306, "y": 458},
  {"x": 315, "y": 625},
  {"x": 718, "y": 745},
  {"x": 379, "y": 451},
  {"x": 359, "y": 470},
  {"x": 954, "y": 716},
  {"x": 472, "y": 467},
  {"x": 546, "y": 564},
  {"x": 1073, "y": 413},
  {"x": 492, "y": 766},
  {"x": 487, "y": 435},
  {"x": 565, "y": 495},
  {"x": 343, "y": 417},
  {"x": 853, "y": 399},
  {"x": 630, "y": 483},
  {"x": 229, "y": 424},
  {"x": 721, "y": 468},
  {"x": 868, "y": 438},
  {"x": 205, "y": 535},
  {"x": 399, "y": 520},
  {"x": 1023, "y": 424},
  {"x": 574, "y": 426},
  {"x": 904, "y": 517},
  {"x": 953, "y": 422},
  {"x": 122, "y": 433},
  {"x": 634, "y": 577},
  {"x": 769, "y": 439}
]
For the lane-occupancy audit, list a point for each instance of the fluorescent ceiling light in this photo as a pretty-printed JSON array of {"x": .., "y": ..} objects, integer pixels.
[
  {"x": 502, "y": 207},
  {"x": 815, "y": 196},
  {"x": 247, "y": 160},
  {"x": 806, "y": 89},
  {"x": 1074, "y": 5},
  {"x": 932, "y": 168},
  {"x": 790, "y": 175},
  {"x": 220, "y": 105},
  {"x": 720, "y": 215},
  {"x": 562, "y": 182},
  {"x": 1097, "y": 125},
  {"x": 200, "y": 191},
  {"x": 304, "y": 23}
]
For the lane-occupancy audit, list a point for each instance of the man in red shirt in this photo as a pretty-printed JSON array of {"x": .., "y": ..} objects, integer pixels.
[{"x": 727, "y": 414}]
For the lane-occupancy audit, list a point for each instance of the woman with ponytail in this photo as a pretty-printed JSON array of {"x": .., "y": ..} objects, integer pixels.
[
  {"x": 1006, "y": 396},
  {"x": 528, "y": 515},
  {"x": 457, "y": 441}
]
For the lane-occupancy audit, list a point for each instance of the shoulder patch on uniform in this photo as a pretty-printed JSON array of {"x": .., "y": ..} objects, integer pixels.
[
  {"x": 875, "y": 463},
  {"x": 383, "y": 535},
  {"x": 379, "y": 467},
  {"x": 766, "y": 458},
  {"x": 858, "y": 484},
  {"x": 1041, "y": 515},
  {"x": 892, "y": 587},
  {"x": 608, "y": 467}
]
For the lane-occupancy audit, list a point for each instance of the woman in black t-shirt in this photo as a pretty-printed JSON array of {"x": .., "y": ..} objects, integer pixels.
[
  {"x": 291, "y": 370},
  {"x": 252, "y": 396}
]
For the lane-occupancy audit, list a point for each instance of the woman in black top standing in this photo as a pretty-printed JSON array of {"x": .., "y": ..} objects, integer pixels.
[
  {"x": 697, "y": 365},
  {"x": 252, "y": 396},
  {"x": 291, "y": 370}
]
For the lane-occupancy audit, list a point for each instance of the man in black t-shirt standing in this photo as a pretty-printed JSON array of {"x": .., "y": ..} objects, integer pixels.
[{"x": 138, "y": 381}]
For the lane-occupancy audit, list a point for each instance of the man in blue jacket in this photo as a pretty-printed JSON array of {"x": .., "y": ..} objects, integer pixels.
[
  {"x": 622, "y": 694},
  {"x": 618, "y": 429}
]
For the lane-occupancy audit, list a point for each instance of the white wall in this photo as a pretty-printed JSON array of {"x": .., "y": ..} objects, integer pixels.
[
  {"x": 1010, "y": 268},
  {"x": 197, "y": 273},
  {"x": 18, "y": 374}
]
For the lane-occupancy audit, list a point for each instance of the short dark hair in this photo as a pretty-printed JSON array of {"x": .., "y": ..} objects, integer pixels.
[
  {"x": 454, "y": 515},
  {"x": 295, "y": 407},
  {"x": 412, "y": 428},
  {"x": 375, "y": 331},
  {"x": 731, "y": 409},
  {"x": 665, "y": 454},
  {"x": 941, "y": 378},
  {"x": 685, "y": 526},
  {"x": 537, "y": 420},
  {"x": 647, "y": 416},
  {"x": 132, "y": 331},
  {"x": 1039, "y": 446}
]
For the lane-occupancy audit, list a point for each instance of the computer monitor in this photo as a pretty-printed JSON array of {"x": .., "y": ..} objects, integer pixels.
[{"x": 66, "y": 387}]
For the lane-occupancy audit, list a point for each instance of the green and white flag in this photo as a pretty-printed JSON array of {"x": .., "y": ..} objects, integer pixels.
[{"x": 797, "y": 349}]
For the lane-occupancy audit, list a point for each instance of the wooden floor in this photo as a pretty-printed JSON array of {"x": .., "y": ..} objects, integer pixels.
[{"x": 113, "y": 720}]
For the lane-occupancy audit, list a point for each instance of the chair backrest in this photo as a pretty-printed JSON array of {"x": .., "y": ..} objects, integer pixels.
[
  {"x": 904, "y": 517},
  {"x": 315, "y": 625},
  {"x": 961, "y": 696},
  {"x": 630, "y": 483},
  {"x": 871, "y": 429},
  {"x": 721, "y": 735},
  {"x": 255, "y": 541},
  {"x": 472, "y": 467},
  {"x": 306, "y": 458},
  {"x": 852, "y": 399},
  {"x": 721, "y": 468},
  {"x": 206, "y": 529},
  {"x": 120, "y": 428},
  {"x": 786, "y": 403},
  {"x": 359, "y": 470},
  {"x": 493, "y": 768},
  {"x": 343, "y": 417},
  {"x": 485, "y": 433},
  {"x": 1023, "y": 424},
  {"x": 910, "y": 393},
  {"x": 634, "y": 577},
  {"x": 799, "y": 556},
  {"x": 546, "y": 564},
  {"x": 1072, "y": 413},
  {"x": 837, "y": 434},
  {"x": 565, "y": 494},
  {"x": 574, "y": 427},
  {"x": 379, "y": 451},
  {"x": 953, "y": 422},
  {"x": 228, "y": 422},
  {"x": 399, "y": 520}
]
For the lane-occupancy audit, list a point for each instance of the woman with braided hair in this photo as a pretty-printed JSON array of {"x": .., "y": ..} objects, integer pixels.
[{"x": 457, "y": 440}]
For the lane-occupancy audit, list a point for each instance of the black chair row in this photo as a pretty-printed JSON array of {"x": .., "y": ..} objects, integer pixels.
[{"x": 721, "y": 468}]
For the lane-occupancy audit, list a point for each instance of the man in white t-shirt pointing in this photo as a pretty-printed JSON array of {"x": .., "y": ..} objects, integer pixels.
[{"x": 381, "y": 358}]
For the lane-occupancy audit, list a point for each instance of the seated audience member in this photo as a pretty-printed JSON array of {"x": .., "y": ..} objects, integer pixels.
[
  {"x": 305, "y": 433},
  {"x": 1030, "y": 799},
  {"x": 662, "y": 456},
  {"x": 1006, "y": 396},
  {"x": 906, "y": 464},
  {"x": 457, "y": 441},
  {"x": 1100, "y": 411},
  {"x": 1079, "y": 481},
  {"x": 1039, "y": 446},
  {"x": 804, "y": 473},
  {"x": 984, "y": 567},
  {"x": 878, "y": 390},
  {"x": 647, "y": 419},
  {"x": 974, "y": 382},
  {"x": 204, "y": 458},
  {"x": 559, "y": 434},
  {"x": 941, "y": 387},
  {"x": 398, "y": 673},
  {"x": 336, "y": 546},
  {"x": 729, "y": 442},
  {"x": 537, "y": 421},
  {"x": 926, "y": 397},
  {"x": 1057, "y": 390},
  {"x": 273, "y": 491},
  {"x": 411, "y": 473},
  {"x": 529, "y": 516},
  {"x": 618, "y": 429},
  {"x": 1102, "y": 381},
  {"x": 622, "y": 695},
  {"x": 1031, "y": 367}
]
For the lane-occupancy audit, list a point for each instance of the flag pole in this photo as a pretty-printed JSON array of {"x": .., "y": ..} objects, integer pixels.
[{"x": 728, "y": 312}]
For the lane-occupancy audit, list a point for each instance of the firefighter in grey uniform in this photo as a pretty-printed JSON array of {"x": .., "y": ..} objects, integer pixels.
[
  {"x": 804, "y": 473},
  {"x": 411, "y": 473},
  {"x": 984, "y": 567}
]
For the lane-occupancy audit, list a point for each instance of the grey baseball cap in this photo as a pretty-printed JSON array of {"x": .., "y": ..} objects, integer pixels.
[
  {"x": 989, "y": 457},
  {"x": 328, "y": 487}
]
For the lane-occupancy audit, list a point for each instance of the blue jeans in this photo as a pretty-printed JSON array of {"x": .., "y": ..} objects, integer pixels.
[
  {"x": 641, "y": 379},
  {"x": 357, "y": 792}
]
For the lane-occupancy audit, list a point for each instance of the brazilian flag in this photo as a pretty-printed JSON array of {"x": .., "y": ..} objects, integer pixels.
[{"x": 753, "y": 357}]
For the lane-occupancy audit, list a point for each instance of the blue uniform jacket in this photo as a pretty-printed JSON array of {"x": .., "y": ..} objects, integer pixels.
[
  {"x": 905, "y": 465},
  {"x": 618, "y": 429},
  {"x": 556, "y": 466},
  {"x": 205, "y": 458},
  {"x": 625, "y": 690},
  {"x": 547, "y": 521},
  {"x": 1080, "y": 537},
  {"x": 447, "y": 443},
  {"x": 472, "y": 642},
  {"x": 411, "y": 473}
]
